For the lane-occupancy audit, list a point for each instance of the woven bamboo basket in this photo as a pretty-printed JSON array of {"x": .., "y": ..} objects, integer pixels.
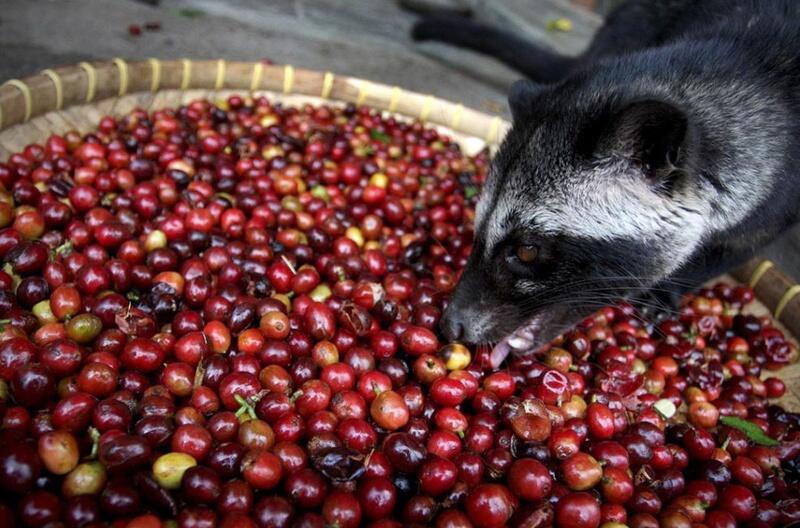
[{"x": 76, "y": 97}]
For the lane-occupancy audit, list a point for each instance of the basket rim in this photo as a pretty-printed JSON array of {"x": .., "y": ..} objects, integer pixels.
[{"x": 55, "y": 89}]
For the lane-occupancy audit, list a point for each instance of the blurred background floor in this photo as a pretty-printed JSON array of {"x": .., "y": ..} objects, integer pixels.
[{"x": 362, "y": 38}]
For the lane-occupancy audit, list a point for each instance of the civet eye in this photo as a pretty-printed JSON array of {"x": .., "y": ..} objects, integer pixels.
[{"x": 527, "y": 254}]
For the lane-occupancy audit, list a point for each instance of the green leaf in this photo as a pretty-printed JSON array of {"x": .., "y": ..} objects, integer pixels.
[
  {"x": 191, "y": 13},
  {"x": 63, "y": 249},
  {"x": 364, "y": 151},
  {"x": 471, "y": 191},
  {"x": 665, "y": 408},
  {"x": 380, "y": 136},
  {"x": 753, "y": 432},
  {"x": 133, "y": 295}
]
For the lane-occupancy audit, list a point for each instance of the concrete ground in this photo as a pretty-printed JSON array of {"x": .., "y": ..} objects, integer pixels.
[{"x": 363, "y": 38}]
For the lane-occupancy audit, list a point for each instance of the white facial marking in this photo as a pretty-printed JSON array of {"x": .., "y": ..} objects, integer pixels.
[{"x": 485, "y": 198}]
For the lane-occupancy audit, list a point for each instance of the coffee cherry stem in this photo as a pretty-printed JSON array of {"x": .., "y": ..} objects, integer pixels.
[
  {"x": 289, "y": 264},
  {"x": 244, "y": 407},
  {"x": 108, "y": 199},
  {"x": 368, "y": 457},
  {"x": 63, "y": 249},
  {"x": 94, "y": 435},
  {"x": 295, "y": 395},
  {"x": 227, "y": 197},
  {"x": 199, "y": 373}
]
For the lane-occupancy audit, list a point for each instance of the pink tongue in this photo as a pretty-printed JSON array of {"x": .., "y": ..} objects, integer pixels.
[{"x": 499, "y": 353}]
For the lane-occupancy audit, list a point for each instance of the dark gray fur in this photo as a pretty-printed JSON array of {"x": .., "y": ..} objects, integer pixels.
[{"x": 664, "y": 155}]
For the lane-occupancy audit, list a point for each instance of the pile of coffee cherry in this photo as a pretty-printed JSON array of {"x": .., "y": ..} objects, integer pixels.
[{"x": 226, "y": 314}]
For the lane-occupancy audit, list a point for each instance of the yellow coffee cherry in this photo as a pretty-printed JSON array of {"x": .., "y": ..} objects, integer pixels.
[
  {"x": 355, "y": 234},
  {"x": 155, "y": 239},
  {"x": 168, "y": 469},
  {"x": 44, "y": 313},
  {"x": 379, "y": 179},
  {"x": 320, "y": 293},
  {"x": 88, "y": 478},
  {"x": 455, "y": 356}
]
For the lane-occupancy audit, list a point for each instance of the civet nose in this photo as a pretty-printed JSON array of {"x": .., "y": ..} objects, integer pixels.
[{"x": 452, "y": 325}]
